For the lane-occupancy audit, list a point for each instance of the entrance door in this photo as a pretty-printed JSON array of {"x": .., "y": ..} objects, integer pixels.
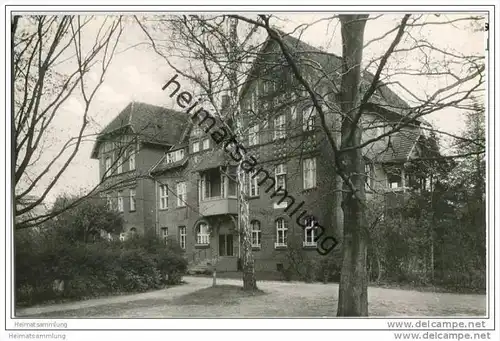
[{"x": 225, "y": 245}]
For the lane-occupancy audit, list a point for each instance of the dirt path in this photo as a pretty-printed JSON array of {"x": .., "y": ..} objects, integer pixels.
[
  {"x": 169, "y": 293},
  {"x": 282, "y": 299}
]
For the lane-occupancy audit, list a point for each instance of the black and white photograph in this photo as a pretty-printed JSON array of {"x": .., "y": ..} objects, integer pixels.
[{"x": 173, "y": 168}]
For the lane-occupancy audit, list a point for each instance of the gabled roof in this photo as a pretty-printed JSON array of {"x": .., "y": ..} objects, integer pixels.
[
  {"x": 163, "y": 166},
  {"x": 383, "y": 97},
  {"x": 150, "y": 123},
  {"x": 398, "y": 147}
]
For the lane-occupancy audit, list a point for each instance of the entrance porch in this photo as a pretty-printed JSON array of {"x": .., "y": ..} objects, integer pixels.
[{"x": 217, "y": 243}]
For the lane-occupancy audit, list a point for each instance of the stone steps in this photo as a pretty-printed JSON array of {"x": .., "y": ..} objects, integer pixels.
[{"x": 199, "y": 268}]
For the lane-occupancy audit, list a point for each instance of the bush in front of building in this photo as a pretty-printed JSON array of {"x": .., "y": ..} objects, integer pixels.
[
  {"x": 307, "y": 265},
  {"x": 49, "y": 268}
]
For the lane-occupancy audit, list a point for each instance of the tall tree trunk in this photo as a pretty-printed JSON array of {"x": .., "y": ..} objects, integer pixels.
[
  {"x": 353, "y": 289},
  {"x": 249, "y": 281}
]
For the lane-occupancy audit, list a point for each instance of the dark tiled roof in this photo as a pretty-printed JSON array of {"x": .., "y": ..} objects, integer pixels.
[
  {"x": 401, "y": 143},
  {"x": 396, "y": 148},
  {"x": 332, "y": 64},
  {"x": 151, "y": 123},
  {"x": 163, "y": 166},
  {"x": 212, "y": 159}
]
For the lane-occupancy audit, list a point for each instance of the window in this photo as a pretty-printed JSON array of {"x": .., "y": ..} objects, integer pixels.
[
  {"x": 279, "y": 127},
  {"x": 163, "y": 197},
  {"x": 179, "y": 154},
  {"x": 308, "y": 119},
  {"x": 164, "y": 234},
  {"x": 253, "y": 184},
  {"x": 119, "y": 165},
  {"x": 265, "y": 86},
  {"x": 182, "y": 236},
  {"x": 281, "y": 233},
  {"x": 206, "y": 144},
  {"x": 196, "y": 147},
  {"x": 280, "y": 177},
  {"x": 310, "y": 231},
  {"x": 175, "y": 156},
  {"x": 254, "y": 100},
  {"x": 202, "y": 235},
  {"x": 109, "y": 202},
  {"x": 120, "y": 201},
  {"x": 369, "y": 176},
  {"x": 394, "y": 178},
  {"x": 253, "y": 135},
  {"x": 197, "y": 131},
  {"x": 226, "y": 245},
  {"x": 395, "y": 184},
  {"x": 107, "y": 166},
  {"x": 131, "y": 159},
  {"x": 255, "y": 233},
  {"x": 132, "y": 199},
  {"x": 181, "y": 194},
  {"x": 309, "y": 173},
  {"x": 293, "y": 107}
]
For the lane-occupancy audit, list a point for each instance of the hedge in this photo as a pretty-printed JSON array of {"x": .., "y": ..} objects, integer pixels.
[{"x": 42, "y": 261}]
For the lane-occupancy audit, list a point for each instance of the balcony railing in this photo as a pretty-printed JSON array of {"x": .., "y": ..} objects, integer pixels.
[
  {"x": 203, "y": 239},
  {"x": 218, "y": 206}
]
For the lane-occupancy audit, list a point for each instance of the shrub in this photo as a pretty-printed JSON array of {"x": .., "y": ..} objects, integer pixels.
[
  {"x": 328, "y": 269},
  {"x": 308, "y": 266},
  {"x": 171, "y": 266},
  {"x": 139, "y": 271},
  {"x": 88, "y": 270}
]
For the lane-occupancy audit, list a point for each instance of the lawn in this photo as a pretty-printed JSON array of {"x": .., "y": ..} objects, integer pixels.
[{"x": 274, "y": 299}]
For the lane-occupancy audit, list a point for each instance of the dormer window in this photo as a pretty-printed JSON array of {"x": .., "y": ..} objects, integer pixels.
[
  {"x": 196, "y": 147},
  {"x": 175, "y": 156},
  {"x": 206, "y": 144}
]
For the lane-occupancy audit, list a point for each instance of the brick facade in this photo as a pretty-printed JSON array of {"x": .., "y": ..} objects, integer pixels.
[{"x": 207, "y": 190}]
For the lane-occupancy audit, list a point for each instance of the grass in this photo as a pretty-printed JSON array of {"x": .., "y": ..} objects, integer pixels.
[{"x": 220, "y": 294}]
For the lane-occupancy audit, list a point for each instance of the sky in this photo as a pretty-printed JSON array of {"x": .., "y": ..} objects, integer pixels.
[{"x": 137, "y": 74}]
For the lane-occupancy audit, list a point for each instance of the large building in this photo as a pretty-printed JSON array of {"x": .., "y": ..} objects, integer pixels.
[{"x": 166, "y": 172}]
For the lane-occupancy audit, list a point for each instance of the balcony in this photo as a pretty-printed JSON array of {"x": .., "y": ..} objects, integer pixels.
[
  {"x": 218, "y": 206},
  {"x": 217, "y": 192}
]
